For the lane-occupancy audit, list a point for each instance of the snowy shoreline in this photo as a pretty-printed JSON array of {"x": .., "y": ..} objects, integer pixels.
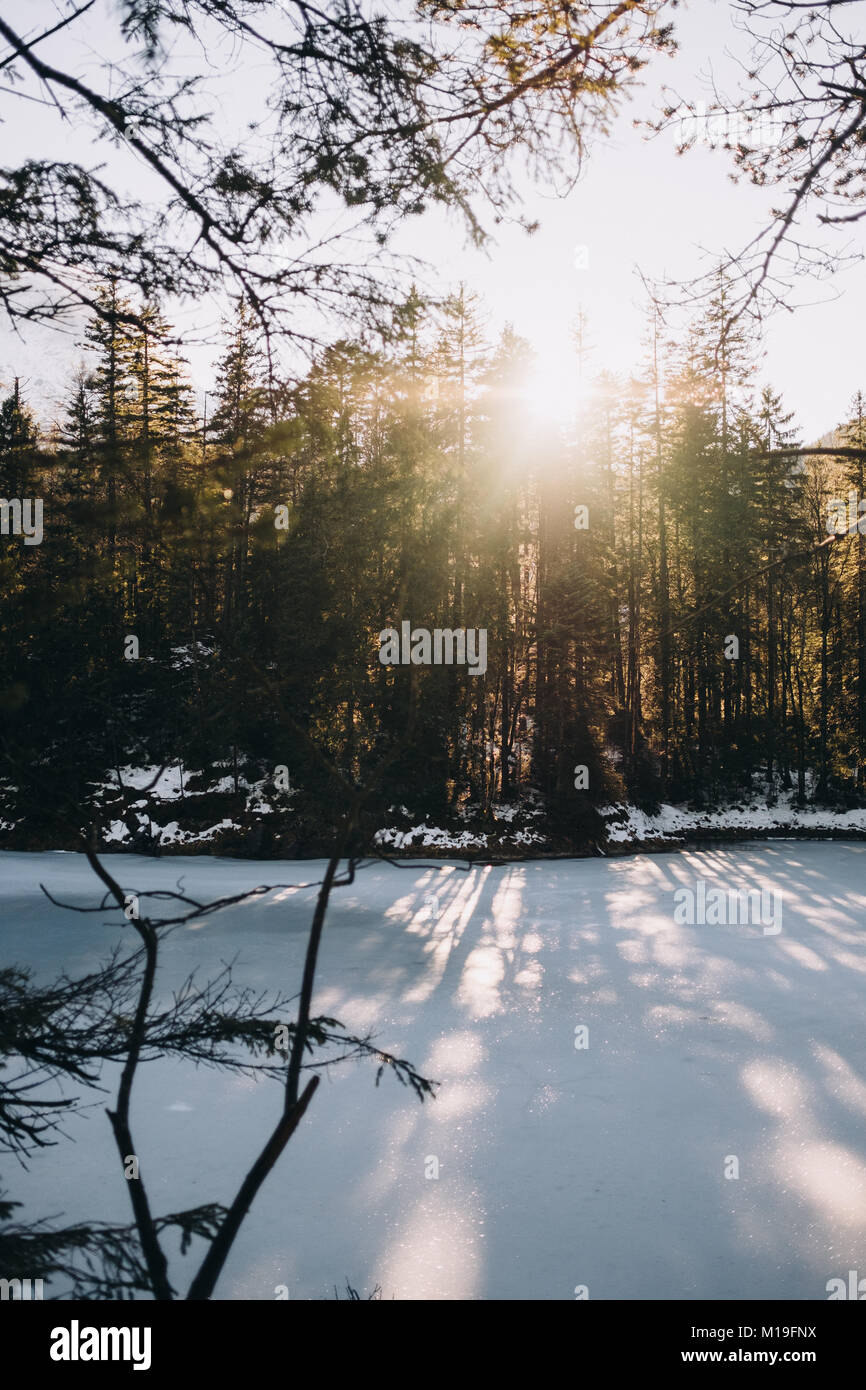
[
  {"x": 172, "y": 811},
  {"x": 628, "y": 825},
  {"x": 624, "y": 838}
]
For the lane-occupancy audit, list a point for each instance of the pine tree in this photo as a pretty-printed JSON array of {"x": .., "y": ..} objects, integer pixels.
[
  {"x": 18, "y": 440},
  {"x": 242, "y": 409},
  {"x": 79, "y": 437},
  {"x": 110, "y": 337}
]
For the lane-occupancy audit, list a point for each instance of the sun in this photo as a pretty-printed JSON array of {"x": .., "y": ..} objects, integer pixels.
[{"x": 554, "y": 390}]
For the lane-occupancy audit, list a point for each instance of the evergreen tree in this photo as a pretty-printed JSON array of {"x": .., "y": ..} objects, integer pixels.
[{"x": 18, "y": 440}]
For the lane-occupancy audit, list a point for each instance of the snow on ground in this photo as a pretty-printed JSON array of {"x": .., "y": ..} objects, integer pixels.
[
  {"x": 161, "y": 784},
  {"x": 172, "y": 834},
  {"x": 558, "y": 1166},
  {"x": 501, "y": 830},
  {"x": 629, "y": 825},
  {"x": 429, "y": 837},
  {"x": 168, "y": 785}
]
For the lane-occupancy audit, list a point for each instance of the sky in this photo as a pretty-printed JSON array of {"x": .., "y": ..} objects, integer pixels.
[
  {"x": 642, "y": 206},
  {"x": 638, "y": 206}
]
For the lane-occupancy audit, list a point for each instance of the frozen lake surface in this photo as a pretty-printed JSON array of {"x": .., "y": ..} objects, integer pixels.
[{"x": 559, "y": 1166}]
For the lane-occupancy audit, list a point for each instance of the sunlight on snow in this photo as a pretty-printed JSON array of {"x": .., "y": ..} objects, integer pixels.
[
  {"x": 830, "y": 1176},
  {"x": 842, "y": 1080},
  {"x": 438, "y": 1252},
  {"x": 444, "y": 935},
  {"x": 775, "y": 1088}
]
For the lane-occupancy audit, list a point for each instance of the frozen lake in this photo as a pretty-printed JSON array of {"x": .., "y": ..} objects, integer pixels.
[{"x": 559, "y": 1165}]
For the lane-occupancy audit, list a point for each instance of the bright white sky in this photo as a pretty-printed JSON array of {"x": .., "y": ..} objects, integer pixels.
[{"x": 638, "y": 204}]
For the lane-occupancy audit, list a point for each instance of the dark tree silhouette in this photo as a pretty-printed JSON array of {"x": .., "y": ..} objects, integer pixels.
[{"x": 383, "y": 116}]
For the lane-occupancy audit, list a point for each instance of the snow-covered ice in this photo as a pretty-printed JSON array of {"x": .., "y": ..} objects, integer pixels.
[{"x": 558, "y": 1166}]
